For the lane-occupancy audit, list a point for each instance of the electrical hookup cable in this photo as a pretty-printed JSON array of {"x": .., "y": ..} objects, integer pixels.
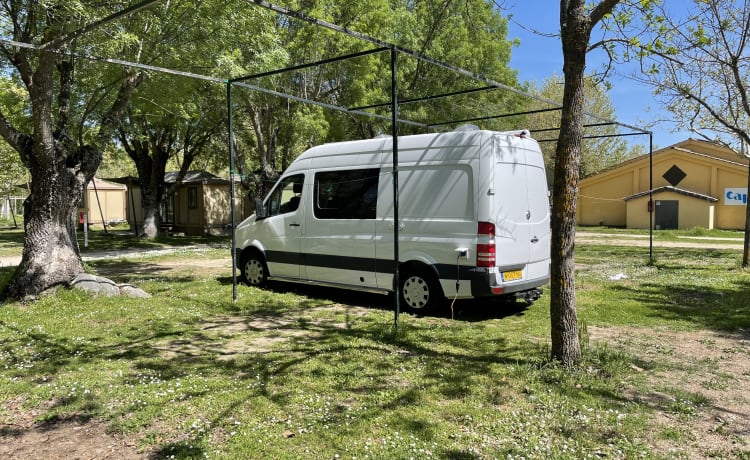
[{"x": 458, "y": 282}]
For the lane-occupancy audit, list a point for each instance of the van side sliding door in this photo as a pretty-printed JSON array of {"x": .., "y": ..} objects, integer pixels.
[{"x": 339, "y": 238}]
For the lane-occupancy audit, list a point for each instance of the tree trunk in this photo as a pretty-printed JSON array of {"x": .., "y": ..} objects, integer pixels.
[
  {"x": 566, "y": 346},
  {"x": 151, "y": 218},
  {"x": 59, "y": 167},
  {"x": 575, "y": 32},
  {"x": 51, "y": 255}
]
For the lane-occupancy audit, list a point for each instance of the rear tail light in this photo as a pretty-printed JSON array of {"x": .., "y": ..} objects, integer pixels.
[{"x": 485, "y": 244}]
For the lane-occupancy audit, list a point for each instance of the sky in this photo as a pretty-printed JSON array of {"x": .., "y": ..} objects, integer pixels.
[{"x": 539, "y": 57}]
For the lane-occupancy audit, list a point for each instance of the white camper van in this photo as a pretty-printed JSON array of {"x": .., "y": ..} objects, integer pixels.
[{"x": 473, "y": 218}]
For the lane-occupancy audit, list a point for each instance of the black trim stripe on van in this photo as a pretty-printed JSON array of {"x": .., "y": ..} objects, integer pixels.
[
  {"x": 480, "y": 279},
  {"x": 366, "y": 264}
]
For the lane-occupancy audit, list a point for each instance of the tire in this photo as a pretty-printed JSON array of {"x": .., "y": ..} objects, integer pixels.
[
  {"x": 253, "y": 269},
  {"x": 420, "y": 291}
]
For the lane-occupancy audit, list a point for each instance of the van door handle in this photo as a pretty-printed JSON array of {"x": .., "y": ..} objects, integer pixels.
[
  {"x": 535, "y": 239},
  {"x": 294, "y": 225},
  {"x": 400, "y": 225}
]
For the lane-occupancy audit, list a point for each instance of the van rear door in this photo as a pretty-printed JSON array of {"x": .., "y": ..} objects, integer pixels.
[
  {"x": 521, "y": 210},
  {"x": 539, "y": 216},
  {"x": 511, "y": 216}
]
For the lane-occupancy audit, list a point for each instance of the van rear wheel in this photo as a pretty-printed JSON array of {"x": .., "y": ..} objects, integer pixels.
[
  {"x": 253, "y": 268},
  {"x": 419, "y": 290}
]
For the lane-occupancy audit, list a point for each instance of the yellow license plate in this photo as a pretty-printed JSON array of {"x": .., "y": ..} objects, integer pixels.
[{"x": 512, "y": 275}]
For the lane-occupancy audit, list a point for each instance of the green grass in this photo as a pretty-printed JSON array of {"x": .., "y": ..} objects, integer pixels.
[
  {"x": 684, "y": 288},
  {"x": 11, "y": 241},
  {"x": 295, "y": 372}
]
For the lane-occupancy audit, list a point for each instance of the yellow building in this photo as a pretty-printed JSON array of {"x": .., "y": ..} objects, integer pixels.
[
  {"x": 695, "y": 184},
  {"x": 104, "y": 202}
]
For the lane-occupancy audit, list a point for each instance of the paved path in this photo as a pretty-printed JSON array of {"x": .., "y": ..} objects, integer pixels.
[
  {"x": 612, "y": 239},
  {"x": 619, "y": 239},
  {"x": 12, "y": 261}
]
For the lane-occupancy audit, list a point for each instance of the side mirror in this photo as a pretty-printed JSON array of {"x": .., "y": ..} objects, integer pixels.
[{"x": 260, "y": 210}]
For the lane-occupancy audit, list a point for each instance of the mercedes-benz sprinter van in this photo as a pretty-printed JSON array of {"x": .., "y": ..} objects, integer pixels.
[{"x": 473, "y": 218}]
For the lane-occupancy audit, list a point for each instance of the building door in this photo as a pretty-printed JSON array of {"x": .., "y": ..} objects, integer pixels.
[{"x": 667, "y": 213}]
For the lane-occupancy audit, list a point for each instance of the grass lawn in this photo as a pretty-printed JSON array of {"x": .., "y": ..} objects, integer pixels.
[{"x": 294, "y": 372}]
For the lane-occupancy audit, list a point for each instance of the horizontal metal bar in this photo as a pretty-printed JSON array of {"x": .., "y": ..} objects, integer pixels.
[
  {"x": 426, "y": 98},
  {"x": 603, "y": 136},
  {"x": 323, "y": 104},
  {"x": 311, "y": 64},
  {"x": 492, "y": 117},
  {"x": 585, "y": 126},
  {"x": 136, "y": 65}
]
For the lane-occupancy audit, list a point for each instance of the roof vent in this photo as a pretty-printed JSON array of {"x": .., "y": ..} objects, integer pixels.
[{"x": 523, "y": 134}]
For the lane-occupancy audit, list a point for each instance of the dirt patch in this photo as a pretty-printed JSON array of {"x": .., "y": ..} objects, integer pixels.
[
  {"x": 697, "y": 385},
  {"x": 203, "y": 267},
  {"x": 69, "y": 439}
]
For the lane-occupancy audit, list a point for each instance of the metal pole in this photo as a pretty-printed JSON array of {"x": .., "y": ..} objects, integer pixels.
[
  {"x": 231, "y": 189},
  {"x": 394, "y": 132},
  {"x": 651, "y": 208},
  {"x": 131, "y": 192},
  {"x": 99, "y": 203}
]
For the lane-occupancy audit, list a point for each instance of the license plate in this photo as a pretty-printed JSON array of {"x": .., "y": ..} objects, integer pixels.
[{"x": 512, "y": 275}]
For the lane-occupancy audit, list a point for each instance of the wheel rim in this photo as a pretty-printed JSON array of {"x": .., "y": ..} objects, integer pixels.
[
  {"x": 416, "y": 292},
  {"x": 254, "y": 271}
]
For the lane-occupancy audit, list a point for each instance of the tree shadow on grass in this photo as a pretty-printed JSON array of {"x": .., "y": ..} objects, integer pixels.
[
  {"x": 462, "y": 310},
  {"x": 125, "y": 271},
  {"x": 722, "y": 309}
]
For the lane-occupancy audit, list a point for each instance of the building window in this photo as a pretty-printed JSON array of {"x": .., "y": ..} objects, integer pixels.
[
  {"x": 166, "y": 210},
  {"x": 192, "y": 197}
]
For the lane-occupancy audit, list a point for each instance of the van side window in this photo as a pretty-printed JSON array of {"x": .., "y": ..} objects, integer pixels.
[
  {"x": 351, "y": 194},
  {"x": 286, "y": 196}
]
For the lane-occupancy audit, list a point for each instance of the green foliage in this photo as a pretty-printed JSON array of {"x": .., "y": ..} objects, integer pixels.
[
  {"x": 467, "y": 34},
  {"x": 14, "y": 105},
  {"x": 597, "y": 154}
]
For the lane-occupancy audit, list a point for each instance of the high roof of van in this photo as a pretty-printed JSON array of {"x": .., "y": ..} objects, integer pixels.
[{"x": 384, "y": 143}]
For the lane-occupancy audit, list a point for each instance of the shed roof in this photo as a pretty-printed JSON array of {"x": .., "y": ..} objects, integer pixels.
[
  {"x": 191, "y": 177},
  {"x": 94, "y": 184}
]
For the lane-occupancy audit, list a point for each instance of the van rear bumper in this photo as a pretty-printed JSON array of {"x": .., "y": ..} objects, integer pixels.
[{"x": 483, "y": 285}]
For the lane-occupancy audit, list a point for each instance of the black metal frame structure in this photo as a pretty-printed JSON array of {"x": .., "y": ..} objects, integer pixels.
[{"x": 393, "y": 104}]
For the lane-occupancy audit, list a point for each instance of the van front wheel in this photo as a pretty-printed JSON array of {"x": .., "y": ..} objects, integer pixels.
[
  {"x": 419, "y": 290},
  {"x": 253, "y": 268}
]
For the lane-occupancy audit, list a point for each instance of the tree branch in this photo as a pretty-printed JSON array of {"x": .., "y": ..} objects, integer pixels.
[
  {"x": 600, "y": 10},
  {"x": 112, "y": 118},
  {"x": 21, "y": 142}
]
